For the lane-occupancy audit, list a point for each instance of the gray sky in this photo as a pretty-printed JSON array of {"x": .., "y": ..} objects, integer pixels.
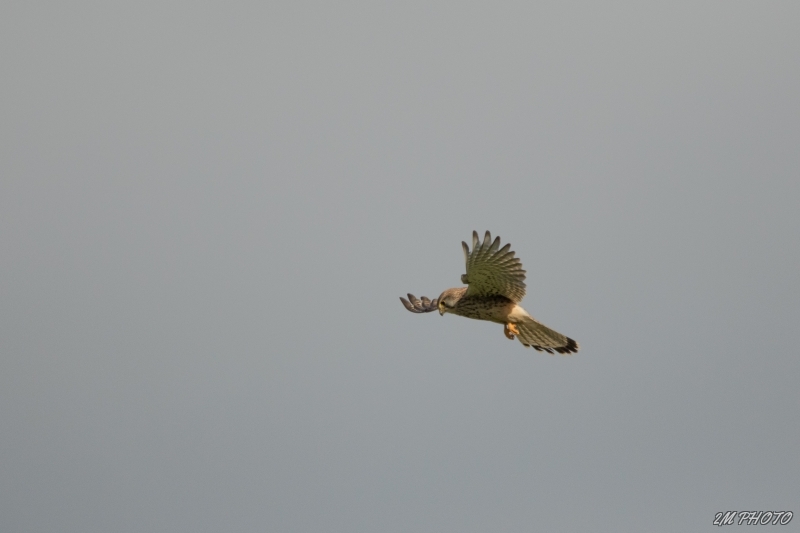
[{"x": 209, "y": 211}]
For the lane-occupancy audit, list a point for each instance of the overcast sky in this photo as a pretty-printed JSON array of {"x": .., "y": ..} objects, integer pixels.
[{"x": 208, "y": 211}]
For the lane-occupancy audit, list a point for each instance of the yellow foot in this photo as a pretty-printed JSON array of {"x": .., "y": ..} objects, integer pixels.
[{"x": 510, "y": 330}]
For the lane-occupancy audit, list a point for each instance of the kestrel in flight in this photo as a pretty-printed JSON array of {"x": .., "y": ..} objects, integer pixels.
[{"x": 496, "y": 286}]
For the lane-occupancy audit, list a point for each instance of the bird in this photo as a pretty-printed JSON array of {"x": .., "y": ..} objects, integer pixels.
[{"x": 495, "y": 287}]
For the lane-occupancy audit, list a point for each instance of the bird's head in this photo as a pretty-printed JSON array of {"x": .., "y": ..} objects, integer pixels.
[{"x": 448, "y": 300}]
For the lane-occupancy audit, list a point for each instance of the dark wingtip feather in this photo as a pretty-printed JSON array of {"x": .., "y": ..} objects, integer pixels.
[
  {"x": 414, "y": 305},
  {"x": 571, "y": 347},
  {"x": 407, "y": 305}
]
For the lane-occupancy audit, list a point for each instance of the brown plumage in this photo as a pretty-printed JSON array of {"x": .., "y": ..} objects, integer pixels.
[{"x": 496, "y": 285}]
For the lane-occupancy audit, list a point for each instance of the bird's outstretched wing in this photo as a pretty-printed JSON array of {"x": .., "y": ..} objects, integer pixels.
[
  {"x": 493, "y": 271},
  {"x": 420, "y": 306}
]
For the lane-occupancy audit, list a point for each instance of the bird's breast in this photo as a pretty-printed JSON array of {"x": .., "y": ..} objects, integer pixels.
[{"x": 492, "y": 308}]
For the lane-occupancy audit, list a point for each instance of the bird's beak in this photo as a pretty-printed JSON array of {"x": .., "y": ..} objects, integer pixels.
[{"x": 441, "y": 310}]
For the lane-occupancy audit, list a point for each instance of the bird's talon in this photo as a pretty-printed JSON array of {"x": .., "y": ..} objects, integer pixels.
[{"x": 510, "y": 330}]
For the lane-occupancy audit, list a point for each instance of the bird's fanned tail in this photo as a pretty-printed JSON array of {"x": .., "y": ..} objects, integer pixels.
[{"x": 534, "y": 334}]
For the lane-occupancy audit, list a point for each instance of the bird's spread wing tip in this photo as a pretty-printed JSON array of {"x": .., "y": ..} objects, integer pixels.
[{"x": 416, "y": 305}]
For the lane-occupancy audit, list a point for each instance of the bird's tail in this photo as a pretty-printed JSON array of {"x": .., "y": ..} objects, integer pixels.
[{"x": 534, "y": 334}]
